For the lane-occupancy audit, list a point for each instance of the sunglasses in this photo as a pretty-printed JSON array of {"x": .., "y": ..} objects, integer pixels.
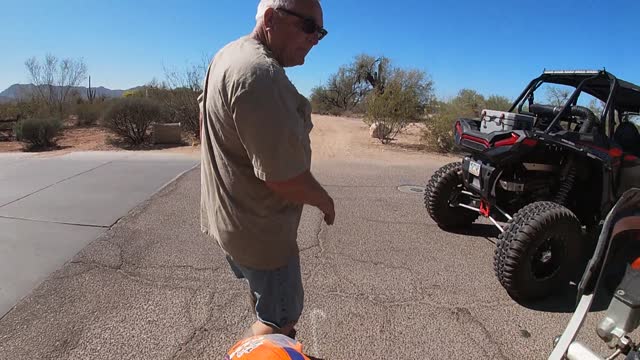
[{"x": 309, "y": 25}]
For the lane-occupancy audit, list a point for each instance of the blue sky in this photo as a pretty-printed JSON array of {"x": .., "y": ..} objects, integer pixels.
[{"x": 494, "y": 47}]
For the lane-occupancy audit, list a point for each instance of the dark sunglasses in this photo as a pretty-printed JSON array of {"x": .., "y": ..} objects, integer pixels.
[{"x": 309, "y": 25}]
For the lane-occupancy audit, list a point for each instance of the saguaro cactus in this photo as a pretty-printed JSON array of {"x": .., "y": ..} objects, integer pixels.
[{"x": 91, "y": 93}]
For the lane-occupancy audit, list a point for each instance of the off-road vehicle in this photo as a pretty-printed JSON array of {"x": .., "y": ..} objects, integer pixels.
[{"x": 545, "y": 175}]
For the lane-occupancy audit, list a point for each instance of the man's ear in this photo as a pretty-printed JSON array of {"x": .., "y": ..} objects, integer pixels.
[{"x": 269, "y": 18}]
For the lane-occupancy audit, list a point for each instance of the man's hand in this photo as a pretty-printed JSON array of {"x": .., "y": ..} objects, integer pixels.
[
  {"x": 329, "y": 211},
  {"x": 304, "y": 189}
]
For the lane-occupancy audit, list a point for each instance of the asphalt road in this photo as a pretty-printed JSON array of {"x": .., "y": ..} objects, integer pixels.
[{"x": 384, "y": 282}]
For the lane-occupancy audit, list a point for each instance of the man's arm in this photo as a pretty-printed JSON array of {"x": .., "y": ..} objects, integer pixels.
[{"x": 305, "y": 189}]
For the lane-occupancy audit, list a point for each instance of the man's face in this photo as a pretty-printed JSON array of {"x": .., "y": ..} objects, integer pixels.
[{"x": 291, "y": 36}]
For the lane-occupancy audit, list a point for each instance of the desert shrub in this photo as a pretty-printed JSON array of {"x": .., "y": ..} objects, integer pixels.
[
  {"x": 131, "y": 118},
  {"x": 23, "y": 109},
  {"x": 88, "y": 114},
  {"x": 8, "y": 110},
  {"x": 181, "y": 106},
  {"x": 38, "y": 133},
  {"x": 406, "y": 95},
  {"x": 496, "y": 102},
  {"x": 438, "y": 133}
]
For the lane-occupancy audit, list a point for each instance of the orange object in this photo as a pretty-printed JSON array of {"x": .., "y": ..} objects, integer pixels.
[
  {"x": 267, "y": 347},
  {"x": 636, "y": 264}
]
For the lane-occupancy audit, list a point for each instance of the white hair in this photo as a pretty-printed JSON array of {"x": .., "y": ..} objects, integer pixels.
[{"x": 274, "y": 4}]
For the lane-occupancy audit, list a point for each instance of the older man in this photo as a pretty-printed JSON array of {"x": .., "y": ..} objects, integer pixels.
[{"x": 256, "y": 158}]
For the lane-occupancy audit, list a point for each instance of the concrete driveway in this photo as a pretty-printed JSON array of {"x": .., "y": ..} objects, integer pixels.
[{"x": 51, "y": 207}]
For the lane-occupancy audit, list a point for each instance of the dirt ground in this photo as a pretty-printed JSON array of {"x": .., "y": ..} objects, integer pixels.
[
  {"x": 349, "y": 138},
  {"x": 92, "y": 138},
  {"x": 332, "y": 137}
]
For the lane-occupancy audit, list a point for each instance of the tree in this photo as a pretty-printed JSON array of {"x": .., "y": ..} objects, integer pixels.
[
  {"x": 373, "y": 71},
  {"x": 596, "y": 106},
  {"x": 405, "y": 96},
  {"x": 182, "y": 101},
  {"x": 470, "y": 102},
  {"x": 341, "y": 93},
  {"x": 54, "y": 80},
  {"x": 347, "y": 89},
  {"x": 178, "y": 95},
  {"x": 557, "y": 96},
  {"x": 496, "y": 102}
]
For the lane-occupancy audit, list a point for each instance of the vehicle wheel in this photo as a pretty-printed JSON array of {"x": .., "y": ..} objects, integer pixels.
[
  {"x": 539, "y": 251},
  {"x": 445, "y": 186}
]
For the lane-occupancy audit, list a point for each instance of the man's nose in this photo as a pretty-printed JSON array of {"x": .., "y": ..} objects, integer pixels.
[{"x": 313, "y": 39}]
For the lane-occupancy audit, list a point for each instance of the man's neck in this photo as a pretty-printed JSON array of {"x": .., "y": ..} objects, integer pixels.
[{"x": 260, "y": 35}]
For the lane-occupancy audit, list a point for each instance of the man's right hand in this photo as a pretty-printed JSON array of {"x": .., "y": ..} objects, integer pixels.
[
  {"x": 329, "y": 211},
  {"x": 304, "y": 189}
]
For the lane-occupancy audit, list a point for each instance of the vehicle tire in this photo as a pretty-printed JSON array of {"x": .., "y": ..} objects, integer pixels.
[
  {"x": 539, "y": 251},
  {"x": 444, "y": 185}
]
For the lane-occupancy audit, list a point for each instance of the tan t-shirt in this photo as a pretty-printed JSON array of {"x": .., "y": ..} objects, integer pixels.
[{"x": 256, "y": 128}]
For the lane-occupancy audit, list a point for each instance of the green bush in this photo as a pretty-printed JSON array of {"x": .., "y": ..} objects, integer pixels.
[
  {"x": 406, "y": 95},
  {"x": 180, "y": 105},
  {"x": 88, "y": 114},
  {"x": 23, "y": 109},
  {"x": 131, "y": 118},
  {"x": 9, "y": 111},
  {"x": 438, "y": 134},
  {"x": 38, "y": 133}
]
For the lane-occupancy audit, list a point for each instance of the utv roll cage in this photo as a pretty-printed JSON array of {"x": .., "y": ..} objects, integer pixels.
[{"x": 616, "y": 94}]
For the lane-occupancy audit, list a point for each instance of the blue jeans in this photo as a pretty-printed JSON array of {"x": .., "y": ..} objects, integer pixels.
[{"x": 278, "y": 292}]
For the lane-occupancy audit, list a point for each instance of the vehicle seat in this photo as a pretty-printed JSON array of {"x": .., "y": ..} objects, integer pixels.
[{"x": 628, "y": 137}]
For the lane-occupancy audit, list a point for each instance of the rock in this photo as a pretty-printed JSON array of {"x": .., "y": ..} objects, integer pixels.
[
  {"x": 379, "y": 130},
  {"x": 166, "y": 133}
]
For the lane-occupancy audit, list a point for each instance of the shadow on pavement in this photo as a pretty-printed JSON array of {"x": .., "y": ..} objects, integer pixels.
[
  {"x": 478, "y": 230},
  {"x": 567, "y": 302}
]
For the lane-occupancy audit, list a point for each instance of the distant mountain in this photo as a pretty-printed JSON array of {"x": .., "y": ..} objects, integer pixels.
[{"x": 19, "y": 91}]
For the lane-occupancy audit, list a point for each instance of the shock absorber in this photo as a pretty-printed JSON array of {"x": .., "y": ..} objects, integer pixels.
[{"x": 566, "y": 185}]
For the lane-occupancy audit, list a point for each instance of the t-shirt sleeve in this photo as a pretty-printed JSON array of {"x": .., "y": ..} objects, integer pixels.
[{"x": 266, "y": 123}]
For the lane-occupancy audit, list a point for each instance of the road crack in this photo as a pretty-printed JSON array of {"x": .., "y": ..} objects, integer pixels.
[{"x": 319, "y": 232}]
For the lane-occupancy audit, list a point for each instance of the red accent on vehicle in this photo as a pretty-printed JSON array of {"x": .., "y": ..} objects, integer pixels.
[
  {"x": 615, "y": 152},
  {"x": 630, "y": 158},
  {"x": 485, "y": 208},
  {"x": 505, "y": 142},
  {"x": 476, "y": 140},
  {"x": 508, "y": 142},
  {"x": 458, "y": 128},
  {"x": 636, "y": 264}
]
